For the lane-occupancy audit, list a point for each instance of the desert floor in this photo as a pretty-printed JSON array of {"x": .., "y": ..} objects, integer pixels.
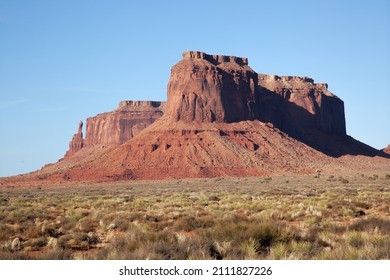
[{"x": 321, "y": 216}]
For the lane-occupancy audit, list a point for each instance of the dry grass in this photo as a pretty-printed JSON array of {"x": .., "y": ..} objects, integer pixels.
[{"x": 286, "y": 217}]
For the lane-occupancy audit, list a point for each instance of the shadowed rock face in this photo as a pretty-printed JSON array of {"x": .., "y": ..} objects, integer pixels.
[{"x": 296, "y": 103}]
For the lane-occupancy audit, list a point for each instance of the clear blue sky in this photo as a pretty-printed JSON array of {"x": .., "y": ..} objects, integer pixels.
[{"x": 65, "y": 60}]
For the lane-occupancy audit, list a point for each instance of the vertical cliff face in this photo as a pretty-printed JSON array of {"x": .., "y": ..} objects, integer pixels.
[
  {"x": 217, "y": 88},
  {"x": 122, "y": 124},
  {"x": 77, "y": 141},
  {"x": 297, "y": 103},
  {"x": 118, "y": 126},
  {"x": 206, "y": 88}
]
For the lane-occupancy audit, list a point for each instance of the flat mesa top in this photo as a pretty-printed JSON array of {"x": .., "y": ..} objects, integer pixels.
[{"x": 215, "y": 59}]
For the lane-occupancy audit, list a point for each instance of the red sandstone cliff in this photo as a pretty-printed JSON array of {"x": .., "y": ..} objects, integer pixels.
[
  {"x": 77, "y": 141},
  {"x": 208, "y": 88},
  {"x": 297, "y": 103},
  {"x": 122, "y": 124},
  {"x": 118, "y": 126},
  {"x": 215, "y": 88}
]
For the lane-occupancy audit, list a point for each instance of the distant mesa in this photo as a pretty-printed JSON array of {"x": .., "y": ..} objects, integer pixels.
[{"x": 221, "y": 118}]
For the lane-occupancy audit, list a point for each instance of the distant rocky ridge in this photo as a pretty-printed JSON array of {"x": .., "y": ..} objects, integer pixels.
[{"x": 387, "y": 149}]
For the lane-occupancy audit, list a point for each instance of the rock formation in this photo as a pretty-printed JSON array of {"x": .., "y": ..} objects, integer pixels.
[
  {"x": 217, "y": 88},
  {"x": 295, "y": 103},
  {"x": 223, "y": 89},
  {"x": 221, "y": 119},
  {"x": 118, "y": 126},
  {"x": 207, "y": 88},
  {"x": 122, "y": 124},
  {"x": 77, "y": 141}
]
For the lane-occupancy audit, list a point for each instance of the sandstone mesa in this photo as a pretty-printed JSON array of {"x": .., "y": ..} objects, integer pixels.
[{"x": 221, "y": 118}]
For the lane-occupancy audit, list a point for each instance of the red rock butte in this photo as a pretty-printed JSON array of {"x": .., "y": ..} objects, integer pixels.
[{"x": 221, "y": 118}]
